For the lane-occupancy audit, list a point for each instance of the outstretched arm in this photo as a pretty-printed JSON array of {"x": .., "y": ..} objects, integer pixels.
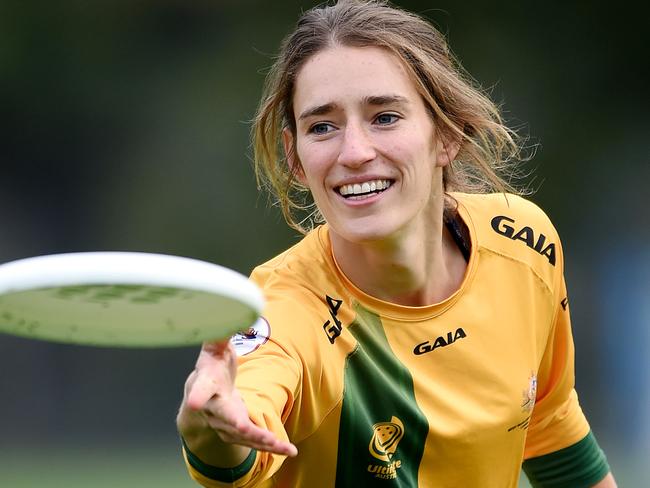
[{"x": 213, "y": 419}]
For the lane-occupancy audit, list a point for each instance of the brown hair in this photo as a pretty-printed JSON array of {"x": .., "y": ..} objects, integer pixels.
[{"x": 461, "y": 112}]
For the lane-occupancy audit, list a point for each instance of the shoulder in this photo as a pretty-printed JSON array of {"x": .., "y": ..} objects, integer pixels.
[
  {"x": 492, "y": 204},
  {"x": 298, "y": 268},
  {"x": 514, "y": 228},
  {"x": 306, "y": 311},
  {"x": 298, "y": 286}
]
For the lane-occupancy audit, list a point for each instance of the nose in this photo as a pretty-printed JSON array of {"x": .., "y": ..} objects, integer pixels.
[{"x": 356, "y": 146}]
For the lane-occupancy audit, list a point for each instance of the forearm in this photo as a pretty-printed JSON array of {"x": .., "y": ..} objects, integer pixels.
[{"x": 204, "y": 442}]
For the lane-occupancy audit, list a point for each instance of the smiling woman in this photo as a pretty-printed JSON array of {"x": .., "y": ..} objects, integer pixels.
[
  {"x": 487, "y": 149},
  {"x": 408, "y": 336}
]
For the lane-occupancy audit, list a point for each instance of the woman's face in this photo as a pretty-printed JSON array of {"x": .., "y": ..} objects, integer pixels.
[{"x": 365, "y": 143}]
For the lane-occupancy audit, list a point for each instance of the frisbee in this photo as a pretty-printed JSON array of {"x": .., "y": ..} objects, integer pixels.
[{"x": 125, "y": 299}]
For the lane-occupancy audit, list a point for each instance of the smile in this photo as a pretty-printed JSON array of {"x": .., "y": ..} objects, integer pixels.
[{"x": 366, "y": 188}]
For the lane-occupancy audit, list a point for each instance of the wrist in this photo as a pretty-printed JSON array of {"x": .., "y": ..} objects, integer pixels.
[
  {"x": 204, "y": 443},
  {"x": 191, "y": 423}
]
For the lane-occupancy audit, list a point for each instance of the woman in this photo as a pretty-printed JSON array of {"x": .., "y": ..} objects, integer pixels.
[{"x": 420, "y": 336}]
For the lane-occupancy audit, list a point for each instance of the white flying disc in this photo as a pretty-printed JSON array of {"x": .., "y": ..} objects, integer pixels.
[{"x": 125, "y": 299}]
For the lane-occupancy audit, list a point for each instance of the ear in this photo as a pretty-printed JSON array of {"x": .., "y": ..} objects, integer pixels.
[
  {"x": 290, "y": 152},
  {"x": 446, "y": 149}
]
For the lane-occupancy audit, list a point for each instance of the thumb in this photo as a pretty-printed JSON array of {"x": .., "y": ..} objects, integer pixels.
[
  {"x": 214, "y": 373},
  {"x": 202, "y": 389},
  {"x": 215, "y": 351}
]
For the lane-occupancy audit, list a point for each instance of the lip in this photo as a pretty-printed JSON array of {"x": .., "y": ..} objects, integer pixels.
[
  {"x": 363, "y": 201},
  {"x": 361, "y": 179}
]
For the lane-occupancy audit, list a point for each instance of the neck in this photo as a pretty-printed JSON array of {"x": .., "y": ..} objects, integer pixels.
[{"x": 417, "y": 267}]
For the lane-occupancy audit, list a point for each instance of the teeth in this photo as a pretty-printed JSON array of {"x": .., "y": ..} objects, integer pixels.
[{"x": 366, "y": 187}]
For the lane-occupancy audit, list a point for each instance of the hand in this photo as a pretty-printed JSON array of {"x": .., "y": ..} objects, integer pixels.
[{"x": 210, "y": 391}]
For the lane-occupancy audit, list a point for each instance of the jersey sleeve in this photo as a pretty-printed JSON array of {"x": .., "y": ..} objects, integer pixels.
[{"x": 557, "y": 420}]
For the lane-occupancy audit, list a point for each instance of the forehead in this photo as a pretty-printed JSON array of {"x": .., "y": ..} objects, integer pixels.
[{"x": 343, "y": 74}]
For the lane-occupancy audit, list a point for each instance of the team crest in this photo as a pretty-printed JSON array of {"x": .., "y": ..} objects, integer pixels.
[
  {"x": 530, "y": 394},
  {"x": 249, "y": 340},
  {"x": 385, "y": 438}
]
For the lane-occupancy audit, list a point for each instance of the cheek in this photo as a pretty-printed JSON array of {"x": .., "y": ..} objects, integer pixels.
[
  {"x": 418, "y": 159},
  {"x": 315, "y": 159},
  {"x": 413, "y": 143}
]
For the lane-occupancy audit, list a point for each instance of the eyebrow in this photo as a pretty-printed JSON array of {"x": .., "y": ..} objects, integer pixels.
[
  {"x": 386, "y": 100},
  {"x": 376, "y": 100},
  {"x": 318, "y": 110}
]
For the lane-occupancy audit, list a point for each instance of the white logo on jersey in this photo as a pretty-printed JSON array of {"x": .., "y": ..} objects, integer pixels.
[
  {"x": 247, "y": 341},
  {"x": 530, "y": 395}
]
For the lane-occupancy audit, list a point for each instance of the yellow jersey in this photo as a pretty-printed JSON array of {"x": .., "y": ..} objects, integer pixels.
[{"x": 455, "y": 394}]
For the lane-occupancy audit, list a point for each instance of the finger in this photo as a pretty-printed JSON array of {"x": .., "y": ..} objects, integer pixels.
[
  {"x": 238, "y": 430},
  {"x": 277, "y": 446},
  {"x": 281, "y": 448},
  {"x": 216, "y": 349},
  {"x": 201, "y": 391},
  {"x": 249, "y": 434},
  {"x": 216, "y": 355},
  {"x": 284, "y": 449},
  {"x": 214, "y": 373}
]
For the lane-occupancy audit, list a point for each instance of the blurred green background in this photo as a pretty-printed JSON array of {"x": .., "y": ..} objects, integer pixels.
[{"x": 125, "y": 127}]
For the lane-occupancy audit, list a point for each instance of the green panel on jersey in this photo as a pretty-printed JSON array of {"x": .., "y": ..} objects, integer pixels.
[{"x": 382, "y": 430}]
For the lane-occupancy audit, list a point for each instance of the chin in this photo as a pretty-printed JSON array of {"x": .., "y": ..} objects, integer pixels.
[{"x": 362, "y": 233}]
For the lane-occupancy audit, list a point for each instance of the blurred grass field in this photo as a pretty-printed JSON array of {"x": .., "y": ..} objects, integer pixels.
[{"x": 93, "y": 467}]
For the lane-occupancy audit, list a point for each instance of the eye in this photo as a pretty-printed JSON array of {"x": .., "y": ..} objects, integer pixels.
[
  {"x": 321, "y": 128},
  {"x": 386, "y": 119}
]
